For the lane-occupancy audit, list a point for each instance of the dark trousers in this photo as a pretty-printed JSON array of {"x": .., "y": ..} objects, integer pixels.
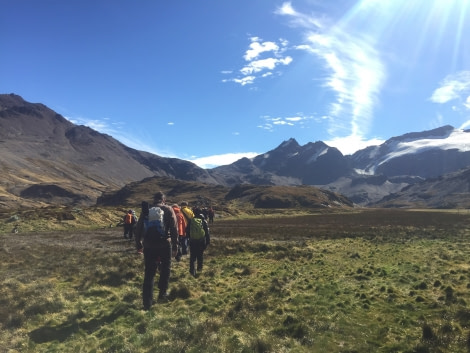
[
  {"x": 160, "y": 253},
  {"x": 184, "y": 245},
  {"x": 196, "y": 254},
  {"x": 182, "y": 248},
  {"x": 128, "y": 230}
]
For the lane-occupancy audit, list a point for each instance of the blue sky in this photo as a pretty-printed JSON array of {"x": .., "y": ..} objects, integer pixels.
[{"x": 212, "y": 81}]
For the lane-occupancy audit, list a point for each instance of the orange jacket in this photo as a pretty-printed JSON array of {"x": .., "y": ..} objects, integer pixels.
[{"x": 181, "y": 222}]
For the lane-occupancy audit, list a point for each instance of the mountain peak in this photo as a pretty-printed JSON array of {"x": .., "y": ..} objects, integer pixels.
[
  {"x": 10, "y": 100},
  {"x": 292, "y": 143}
]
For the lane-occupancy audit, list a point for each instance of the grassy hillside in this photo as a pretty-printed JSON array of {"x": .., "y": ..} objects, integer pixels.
[{"x": 362, "y": 281}]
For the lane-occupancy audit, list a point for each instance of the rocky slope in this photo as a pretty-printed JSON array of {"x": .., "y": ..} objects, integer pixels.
[{"x": 48, "y": 160}]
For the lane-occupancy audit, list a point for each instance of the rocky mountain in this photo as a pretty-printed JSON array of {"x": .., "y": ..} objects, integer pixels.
[
  {"x": 288, "y": 164},
  {"x": 451, "y": 190},
  {"x": 45, "y": 159},
  {"x": 379, "y": 171},
  {"x": 365, "y": 177},
  {"x": 427, "y": 154}
]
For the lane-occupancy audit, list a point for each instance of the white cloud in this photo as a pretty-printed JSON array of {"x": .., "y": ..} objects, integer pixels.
[
  {"x": 256, "y": 48},
  {"x": 262, "y": 58},
  {"x": 242, "y": 81},
  {"x": 221, "y": 159},
  {"x": 350, "y": 144},
  {"x": 264, "y": 64},
  {"x": 295, "y": 118},
  {"x": 298, "y": 18},
  {"x": 270, "y": 122},
  {"x": 455, "y": 86}
]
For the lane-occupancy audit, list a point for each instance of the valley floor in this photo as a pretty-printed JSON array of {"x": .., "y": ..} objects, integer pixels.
[{"x": 365, "y": 281}]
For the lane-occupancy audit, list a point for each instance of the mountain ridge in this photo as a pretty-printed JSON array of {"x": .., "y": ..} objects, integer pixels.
[
  {"x": 47, "y": 160},
  {"x": 40, "y": 147}
]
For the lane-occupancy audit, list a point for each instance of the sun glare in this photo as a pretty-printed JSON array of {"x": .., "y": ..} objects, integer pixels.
[{"x": 429, "y": 22}]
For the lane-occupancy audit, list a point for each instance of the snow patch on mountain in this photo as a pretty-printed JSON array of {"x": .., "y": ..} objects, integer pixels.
[
  {"x": 364, "y": 171},
  {"x": 457, "y": 139},
  {"x": 315, "y": 156}
]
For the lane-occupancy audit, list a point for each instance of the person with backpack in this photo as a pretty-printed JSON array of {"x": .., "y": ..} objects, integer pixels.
[
  {"x": 187, "y": 212},
  {"x": 157, "y": 233},
  {"x": 183, "y": 244},
  {"x": 129, "y": 223},
  {"x": 199, "y": 239},
  {"x": 134, "y": 224},
  {"x": 188, "y": 216}
]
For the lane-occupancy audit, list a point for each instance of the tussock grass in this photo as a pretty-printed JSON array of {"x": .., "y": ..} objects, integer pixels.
[{"x": 371, "y": 281}]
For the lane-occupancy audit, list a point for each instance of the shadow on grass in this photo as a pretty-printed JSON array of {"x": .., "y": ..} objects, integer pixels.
[{"x": 63, "y": 331}]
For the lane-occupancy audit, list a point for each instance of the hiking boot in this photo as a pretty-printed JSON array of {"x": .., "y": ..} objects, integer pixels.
[
  {"x": 193, "y": 272},
  {"x": 163, "y": 297}
]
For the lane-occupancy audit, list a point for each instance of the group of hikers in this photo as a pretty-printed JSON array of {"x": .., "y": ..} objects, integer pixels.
[{"x": 163, "y": 232}]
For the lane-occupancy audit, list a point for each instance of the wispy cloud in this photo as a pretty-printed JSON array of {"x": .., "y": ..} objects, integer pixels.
[
  {"x": 454, "y": 87},
  {"x": 270, "y": 122},
  {"x": 117, "y": 130},
  {"x": 354, "y": 70},
  {"x": 102, "y": 125},
  {"x": 465, "y": 125},
  {"x": 262, "y": 58}
]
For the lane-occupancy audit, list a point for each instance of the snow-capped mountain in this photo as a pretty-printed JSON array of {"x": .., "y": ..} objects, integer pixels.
[
  {"x": 288, "y": 164},
  {"x": 367, "y": 175},
  {"x": 427, "y": 154},
  {"x": 44, "y": 154}
]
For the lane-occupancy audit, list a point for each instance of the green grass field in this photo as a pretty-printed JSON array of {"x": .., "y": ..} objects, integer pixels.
[{"x": 363, "y": 281}]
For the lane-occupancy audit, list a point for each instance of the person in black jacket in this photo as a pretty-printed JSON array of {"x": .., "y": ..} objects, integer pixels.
[
  {"x": 197, "y": 246},
  {"x": 157, "y": 250}
]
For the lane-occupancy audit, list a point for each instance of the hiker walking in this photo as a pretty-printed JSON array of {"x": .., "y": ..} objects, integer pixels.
[
  {"x": 211, "y": 214},
  {"x": 134, "y": 224},
  {"x": 129, "y": 222},
  {"x": 199, "y": 239},
  {"x": 183, "y": 242},
  {"x": 187, "y": 211},
  {"x": 158, "y": 234},
  {"x": 188, "y": 214}
]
